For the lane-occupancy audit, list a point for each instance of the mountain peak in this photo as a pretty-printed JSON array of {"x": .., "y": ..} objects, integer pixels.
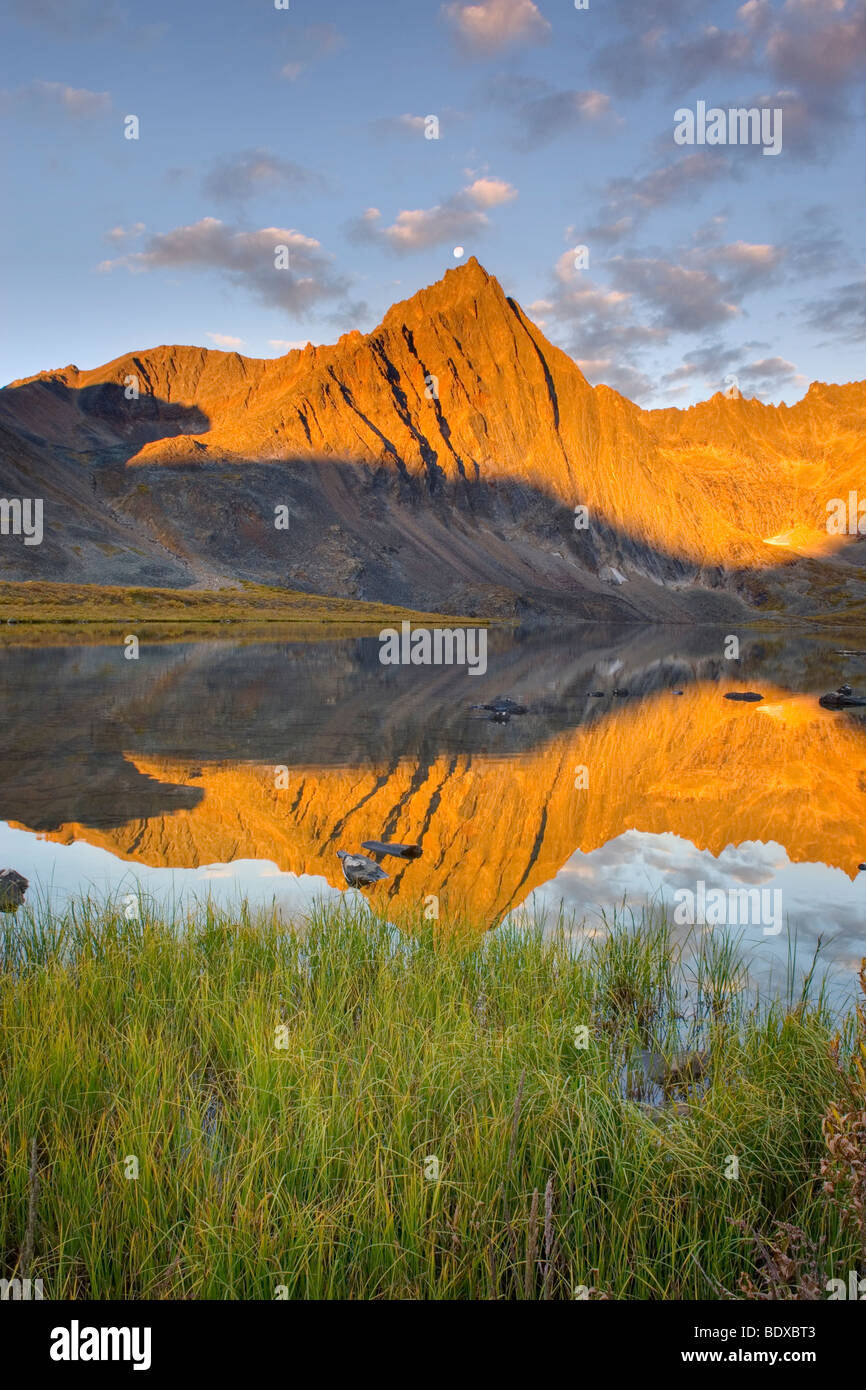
[
  {"x": 471, "y": 269},
  {"x": 457, "y": 285},
  {"x": 468, "y": 278}
]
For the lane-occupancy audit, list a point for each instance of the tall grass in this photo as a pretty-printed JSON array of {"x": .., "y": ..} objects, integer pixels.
[{"x": 427, "y": 1124}]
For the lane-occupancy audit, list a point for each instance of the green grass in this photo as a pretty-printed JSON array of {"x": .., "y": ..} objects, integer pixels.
[{"x": 304, "y": 1166}]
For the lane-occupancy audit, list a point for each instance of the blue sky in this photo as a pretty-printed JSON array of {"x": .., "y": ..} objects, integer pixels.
[{"x": 305, "y": 127}]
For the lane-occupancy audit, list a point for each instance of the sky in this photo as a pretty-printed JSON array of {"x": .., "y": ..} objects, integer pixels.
[{"x": 306, "y": 126}]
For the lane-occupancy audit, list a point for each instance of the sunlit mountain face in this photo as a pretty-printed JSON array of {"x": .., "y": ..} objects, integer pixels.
[
  {"x": 454, "y": 460},
  {"x": 225, "y": 768}
]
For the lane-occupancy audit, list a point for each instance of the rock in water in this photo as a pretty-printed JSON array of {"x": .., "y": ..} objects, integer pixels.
[
  {"x": 13, "y": 886},
  {"x": 683, "y": 1069},
  {"x": 358, "y": 870},
  {"x": 837, "y": 701},
  {"x": 743, "y": 695},
  {"x": 503, "y": 705},
  {"x": 385, "y": 847}
]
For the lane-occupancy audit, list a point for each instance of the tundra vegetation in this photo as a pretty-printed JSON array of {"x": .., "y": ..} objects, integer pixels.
[{"x": 43, "y": 602}]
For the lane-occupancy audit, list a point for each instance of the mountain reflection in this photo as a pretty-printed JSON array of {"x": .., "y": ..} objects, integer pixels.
[{"x": 170, "y": 761}]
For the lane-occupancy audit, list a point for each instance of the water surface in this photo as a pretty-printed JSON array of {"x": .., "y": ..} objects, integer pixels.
[{"x": 163, "y": 775}]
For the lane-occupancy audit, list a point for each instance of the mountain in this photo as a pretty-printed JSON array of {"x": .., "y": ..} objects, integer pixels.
[{"x": 436, "y": 462}]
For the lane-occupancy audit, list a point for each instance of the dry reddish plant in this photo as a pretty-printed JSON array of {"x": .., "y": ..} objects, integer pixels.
[
  {"x": 789, "y": 1266},
  {"x": 844, "y": 1126}
]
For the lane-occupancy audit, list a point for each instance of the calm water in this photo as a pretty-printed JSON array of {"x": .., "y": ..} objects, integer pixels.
[{"x": 164, "y": 774}]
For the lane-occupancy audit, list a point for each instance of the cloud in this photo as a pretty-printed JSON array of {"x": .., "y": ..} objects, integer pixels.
[
  {"x": 813, "y": 52},
  {"x": 460, "y": 216},
  {"x": 703, "y": 288},
  {"x": 559, "y": 112},
  {"x": 825, "y": 53},
  {"x": 88, "y": 19},
  {"x": 686, "y": 300},
  {"x": 225, "y": 340},
  {"x": 841, "y": 313},
  {"x": 246, "y": 259},
  {"x": 118, "y": 235},
  {"x": 629, "y": 381},
  {"x": 708, "y": 53},
  {"x": 628, "y": 199},
  {"x": 489, "y": 193},
  {"x": 53, "y": 98},
  {"x": 287, "y": 344},
  {"x": 69, "y": 19},
  {"x": 610, "y": 231},
  {"x": 400, "y": 125},
  {"x": 631, "y": 306},
  {"x": 598, "y": 327},
  {"x": 542, "y": 112},
  {"x": 815, "y": 247},
  {"x": 418, "y": 228},
  {"x": 767, "y": 374},
  {"x": 486, "y": 27},
  {"x": 742, "y": 265},
  {"x": 415, "y": 127},
  {"x": 251, "y": 172},
  {"x": 755, "y": 15},
  {"x": 808, "y": 126},
  {"x": 309, "y": 46},
  {"x": 714, "y": 365},
  {"x": 655, "y": 55}
]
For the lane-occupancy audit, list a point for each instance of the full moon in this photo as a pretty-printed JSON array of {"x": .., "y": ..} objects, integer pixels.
[{"x": 458, "y": 252}]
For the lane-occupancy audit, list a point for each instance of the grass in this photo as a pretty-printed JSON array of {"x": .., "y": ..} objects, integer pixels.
[
  {"x": 43, "y": 602},
  {"x": 427, "y": 1124}
]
